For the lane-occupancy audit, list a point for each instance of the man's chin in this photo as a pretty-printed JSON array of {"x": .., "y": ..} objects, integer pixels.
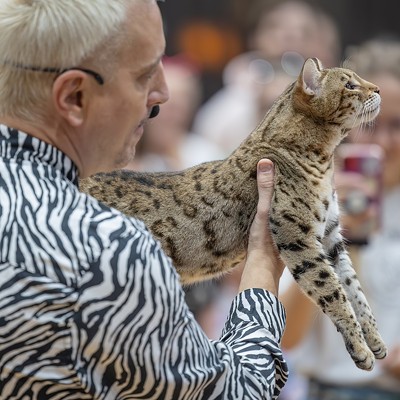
[{"x": 126, "y": 161}]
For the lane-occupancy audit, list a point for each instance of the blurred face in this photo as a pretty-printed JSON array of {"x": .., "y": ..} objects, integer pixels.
[
  {"x": 289, "y": 27},
  {"x": 386, "y": 129},
  {"x": 122, "y": 106}
]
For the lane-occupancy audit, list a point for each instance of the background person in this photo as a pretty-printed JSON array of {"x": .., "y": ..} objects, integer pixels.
[{"x": 281, "y": 35}]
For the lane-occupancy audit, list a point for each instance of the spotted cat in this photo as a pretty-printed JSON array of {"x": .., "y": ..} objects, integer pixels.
[{"x": 202, "y": 215}]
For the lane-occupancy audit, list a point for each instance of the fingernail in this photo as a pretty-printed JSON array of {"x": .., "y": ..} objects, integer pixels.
[{"x": 265, "y": 167}]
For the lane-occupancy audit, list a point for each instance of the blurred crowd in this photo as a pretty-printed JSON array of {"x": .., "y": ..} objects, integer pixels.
[{"x": 189, "y": 131}]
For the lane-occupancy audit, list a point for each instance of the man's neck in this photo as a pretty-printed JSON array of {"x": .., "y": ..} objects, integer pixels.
[{"x": 29, "y": 128}]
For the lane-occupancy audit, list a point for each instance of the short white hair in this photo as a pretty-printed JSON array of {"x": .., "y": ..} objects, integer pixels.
[{"x": 60, "y": 34}]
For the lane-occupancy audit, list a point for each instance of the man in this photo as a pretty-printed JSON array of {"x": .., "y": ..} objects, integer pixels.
[{"x": 90, "y": 307}]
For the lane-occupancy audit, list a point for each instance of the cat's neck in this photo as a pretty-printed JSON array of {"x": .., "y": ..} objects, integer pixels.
[{"x": 285, "y": 139}]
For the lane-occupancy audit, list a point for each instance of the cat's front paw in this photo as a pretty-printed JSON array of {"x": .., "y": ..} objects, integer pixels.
[
  {"x": 374, "y": 341},
  {"x": 380, "y": 352},
  {"x": 364, "y": 360},
  {"x": 362, "y": 356}
]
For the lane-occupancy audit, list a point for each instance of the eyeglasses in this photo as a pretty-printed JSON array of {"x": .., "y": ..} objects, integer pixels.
[{"x": 99, "y": 79}]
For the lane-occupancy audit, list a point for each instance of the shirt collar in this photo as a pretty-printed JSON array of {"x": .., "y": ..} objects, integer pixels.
[{"x": 20, "y": 146}]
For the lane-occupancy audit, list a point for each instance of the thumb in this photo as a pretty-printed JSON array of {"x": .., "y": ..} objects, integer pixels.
[{"x": 265, "y": 184}]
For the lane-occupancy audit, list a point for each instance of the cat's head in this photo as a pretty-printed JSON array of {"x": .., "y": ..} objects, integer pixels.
[{"x": 335, "y": 95}]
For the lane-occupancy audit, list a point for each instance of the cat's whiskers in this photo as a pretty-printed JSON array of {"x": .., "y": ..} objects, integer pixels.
[
  {"x": 369, "y": 128},
  {"x": 365, "y": 126},
  {"x": 358, "y": 132},
  {"x": 358, "y": 117}
]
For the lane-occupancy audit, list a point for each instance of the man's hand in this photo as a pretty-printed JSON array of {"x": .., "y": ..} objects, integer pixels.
[{"x": 263, "y": 267}]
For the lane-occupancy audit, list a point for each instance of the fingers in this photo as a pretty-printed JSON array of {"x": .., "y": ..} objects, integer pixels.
[
  {"x": 259, "y": 232},
  {"x": 263, "y": 267},
  {"x": 265, "y": 184}
]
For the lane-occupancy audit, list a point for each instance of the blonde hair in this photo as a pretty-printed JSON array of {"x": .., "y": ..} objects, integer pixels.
[{"x": 60, "y": 34}]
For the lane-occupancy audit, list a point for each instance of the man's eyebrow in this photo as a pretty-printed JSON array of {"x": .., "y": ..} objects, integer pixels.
[
  {"x": 152, "y": 66},
  {"x": 159, "y": 60}
]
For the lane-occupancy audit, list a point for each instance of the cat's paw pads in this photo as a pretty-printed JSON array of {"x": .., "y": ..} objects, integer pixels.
[
  {"x": 376, "y": 344},
  {"x": 362, "y": 356},
  {"x": 364, "y": 360},
  {"x": 380, "y": 352}
]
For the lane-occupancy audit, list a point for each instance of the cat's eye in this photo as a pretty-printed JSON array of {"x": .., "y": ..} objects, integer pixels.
[{"x": 350, "y": 86}]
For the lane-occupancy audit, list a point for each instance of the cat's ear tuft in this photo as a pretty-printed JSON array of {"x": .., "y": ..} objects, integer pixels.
[{"x": 310, "y": 76}]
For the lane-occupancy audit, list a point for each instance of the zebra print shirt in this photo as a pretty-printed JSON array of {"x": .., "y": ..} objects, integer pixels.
[{"x": 91, "y": 308}]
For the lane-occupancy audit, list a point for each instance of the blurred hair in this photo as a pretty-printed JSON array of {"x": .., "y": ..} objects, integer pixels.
[
  {"x": 321, "y": 39},
  {"x": 53, "y": 34},
  {"x": 260, "y": 8},
  {"x": 377, "y": 56}
]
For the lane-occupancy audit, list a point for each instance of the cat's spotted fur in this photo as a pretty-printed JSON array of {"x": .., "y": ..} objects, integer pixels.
[{"x": 202, "y": 215}]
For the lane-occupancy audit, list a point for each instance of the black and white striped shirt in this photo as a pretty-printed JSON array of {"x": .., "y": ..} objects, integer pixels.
[{"x": 91, "y": 308}]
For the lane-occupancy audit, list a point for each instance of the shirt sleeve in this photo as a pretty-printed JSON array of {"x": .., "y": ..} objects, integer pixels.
[
  {"x": 136, "y": 338},
  {"x": 253, "y": 332}
]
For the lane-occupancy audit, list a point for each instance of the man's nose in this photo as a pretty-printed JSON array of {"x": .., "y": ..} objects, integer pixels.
[{"x": 160, "y": 92}]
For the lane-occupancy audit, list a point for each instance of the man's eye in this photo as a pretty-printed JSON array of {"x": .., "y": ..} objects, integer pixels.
[
  {"x": 350, "y": 86},
  {"x": 148, "y": 75}
]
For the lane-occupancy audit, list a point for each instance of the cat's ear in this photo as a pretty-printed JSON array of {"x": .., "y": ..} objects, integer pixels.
[{"x": 310, "y": 76}]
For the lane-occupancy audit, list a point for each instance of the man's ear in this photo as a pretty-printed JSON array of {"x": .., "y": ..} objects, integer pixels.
[{"x": 68, "y": 89}]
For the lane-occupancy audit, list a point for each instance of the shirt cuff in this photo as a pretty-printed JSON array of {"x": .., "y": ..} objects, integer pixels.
[{"x": 257, "y": 306}]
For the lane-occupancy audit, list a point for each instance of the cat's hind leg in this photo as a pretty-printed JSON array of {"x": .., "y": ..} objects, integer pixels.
[
  {"x": 311, "y": 268},
  {"x": 336, "y": 250}
]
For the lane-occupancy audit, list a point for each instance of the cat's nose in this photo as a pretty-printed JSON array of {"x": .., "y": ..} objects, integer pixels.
[{"x": 377, "y": 90}]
